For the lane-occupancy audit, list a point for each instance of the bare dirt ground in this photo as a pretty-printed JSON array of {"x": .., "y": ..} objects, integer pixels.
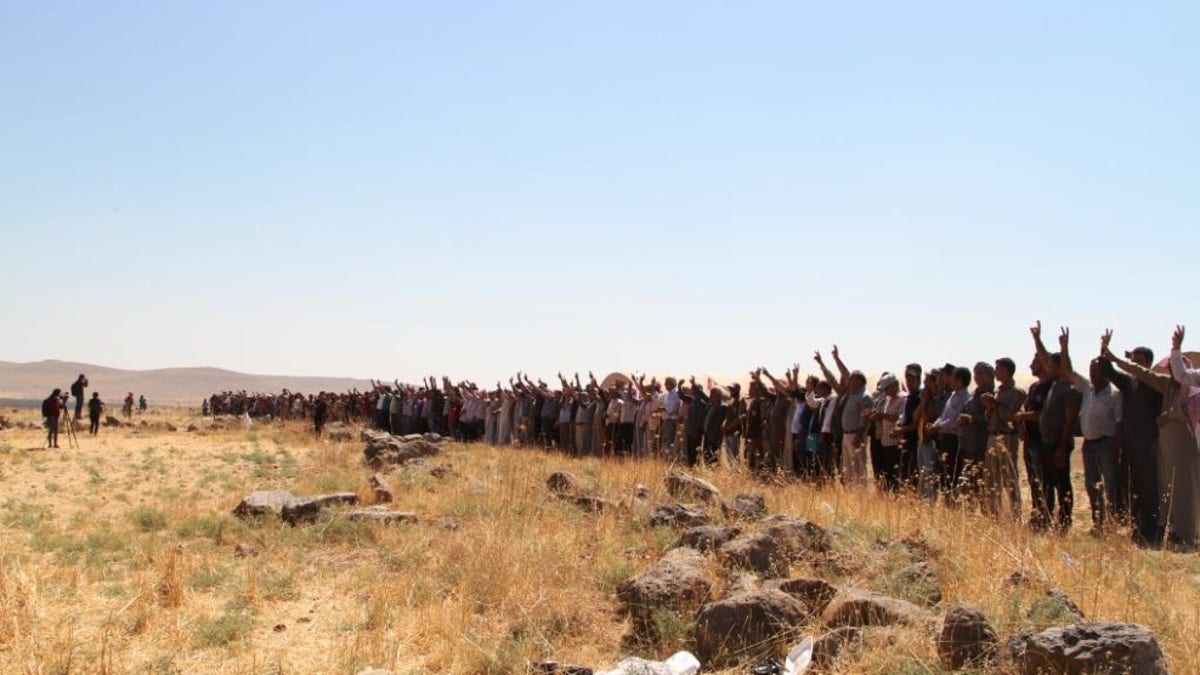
[{"x": 119, "y": 557}]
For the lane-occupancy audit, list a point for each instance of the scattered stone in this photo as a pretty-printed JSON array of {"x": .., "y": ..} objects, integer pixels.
[
  {"x": 828, "y": 647},
  {"x": 816, "y": 594},
  {"x": 920, "y": 583},
  {"x": 967, "y": 638},
  {"x": 677, "y": 582},
  {"x": 708, "y": 538},
  {"x": 193, "y": 428},
  {"x": 262, "y": 503},
  {"x": 760, "y": 553},
  {"x": 308, "y": 509},
  {"x": 110, "y": 421},
  {"x": 744, "y": 507},
  {"x": 280, "y": 627},
  {"x": 920, "y": 547},
  {"x": 565, "y": 483},
  {"x": 1019, "y": 578},
  {"x": 383, "y": 448},
  {"x": 448, "y": 524},
  {"x": 382, "y": 514},
  {"x": 170, "y": 427},
  {"x": 590, "y": 503},
  {"x": 1090, "y": 649},
  {"x": 858, "y": 607},
  {"x": 339, "y": 434},
  {"x": 1055, "y": 607},
  {"x": 382, "y": 488},
  {"x": 641, "y": 492},
  {"x": 746, "y": 625},
  {"x": 678, "y": 515},
  {"x": 798, "y": 536},
  {"x": 682, "y": 485},
  {"x": 244, "y": 550}
]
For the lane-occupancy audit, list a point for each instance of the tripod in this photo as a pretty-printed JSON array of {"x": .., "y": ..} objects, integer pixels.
[{"x": 69, "y": 421}]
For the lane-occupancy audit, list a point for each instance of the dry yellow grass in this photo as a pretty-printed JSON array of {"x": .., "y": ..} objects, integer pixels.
[{"x": 118, "y": 557}]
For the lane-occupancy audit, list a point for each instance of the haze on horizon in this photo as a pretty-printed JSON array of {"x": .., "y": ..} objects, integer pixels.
[{"x": 407, "y": 189}]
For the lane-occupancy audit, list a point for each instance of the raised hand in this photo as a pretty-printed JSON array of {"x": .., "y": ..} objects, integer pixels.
[
  {"x": 1177, "y": 338},
  {"x": 817, "y": 357},
  {"x": 1105, "y": 340},
  {"x": 835, "y": 351},
  {"x": 1036, "y": 330},
  {"x": 1064, "y": 338}
]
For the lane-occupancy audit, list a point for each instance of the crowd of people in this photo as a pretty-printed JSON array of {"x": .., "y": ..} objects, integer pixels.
[{"x": 952, "y": 433}]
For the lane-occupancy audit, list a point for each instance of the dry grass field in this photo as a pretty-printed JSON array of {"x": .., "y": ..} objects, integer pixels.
[{"x": 119, "y": 557}]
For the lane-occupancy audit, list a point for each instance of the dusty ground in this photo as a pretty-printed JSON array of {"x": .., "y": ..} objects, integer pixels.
[{"x": 118, "y": 557}]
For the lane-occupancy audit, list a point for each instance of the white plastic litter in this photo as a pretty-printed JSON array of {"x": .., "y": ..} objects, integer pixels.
[
  {"x": 827, "y": 509},
  {"x": 681, "y": 663},
  {"x": 799, "y": 658}
]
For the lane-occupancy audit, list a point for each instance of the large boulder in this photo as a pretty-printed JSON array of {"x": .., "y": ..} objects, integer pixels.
[
  {"x": 829, "y": 647},
  {"x": 1091, "y": 649},
  {"x": 683, "y": 485},
  {"x": 678, "y": 515},
  {"x": 263, "y": 503},
  {"x": 382, "y": 449},
  {"x": 746, "y": 625},
  {"x": 967, "y": 639},
  {"x": 677, "y": 582},
  {"x": 858, "y": 607},
  {"x": 759, "y": 553},
  {"x": 708, "y": 538},
  {"x": 816, "y": 594},
  {"x": 744, "y": 507},
  {"x": 308, "y": 509}
]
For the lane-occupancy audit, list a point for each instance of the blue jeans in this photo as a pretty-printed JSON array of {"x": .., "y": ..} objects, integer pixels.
[{"x": 1099, "y": 468}]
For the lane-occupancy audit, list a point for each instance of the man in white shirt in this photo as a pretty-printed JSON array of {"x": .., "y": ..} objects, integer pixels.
[{"x": 1100, "y": 421}]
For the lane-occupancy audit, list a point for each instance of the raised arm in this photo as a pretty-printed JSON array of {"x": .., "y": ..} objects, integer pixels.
[
  {"x": 829, "y": 376},
  {"x": 1146, "y": 376},
  {"x": 1179, "y": 370},
  {"x": 842, "y": 369}
]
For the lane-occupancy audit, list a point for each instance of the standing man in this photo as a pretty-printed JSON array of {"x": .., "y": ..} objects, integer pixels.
[
  {"x": 949, "y": 428},
  {"x": 670, "y": 415},
  {"x": 52, "y": 409},
  {"x": 77, "y": 388},
  {"x": 1137, "y": 464},
  {"x": 1057, "y": 426},
  {"x": 975, "y": 439},
  {"x": 885, "y": 446},
  {"x": 1100, "y": 421},
  {"x": 854, "y": 400},
  {"x": 1000, "y": 475},
  {"x": 95, "y": 409}
]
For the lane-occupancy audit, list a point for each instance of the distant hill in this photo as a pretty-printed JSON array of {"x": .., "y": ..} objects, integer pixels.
[{"x": 187, "y": 386}]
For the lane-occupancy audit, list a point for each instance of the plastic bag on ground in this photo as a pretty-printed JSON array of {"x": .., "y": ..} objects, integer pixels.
[{"x": 681, "y": 663}]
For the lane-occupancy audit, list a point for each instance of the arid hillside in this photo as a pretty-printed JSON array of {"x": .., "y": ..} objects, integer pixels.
[{"x": 185, "y": 386}]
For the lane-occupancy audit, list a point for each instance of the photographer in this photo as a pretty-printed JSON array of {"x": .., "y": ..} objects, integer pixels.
[
  {"x": 77, "y": 388},
  {"x": 52, "y": 409}
]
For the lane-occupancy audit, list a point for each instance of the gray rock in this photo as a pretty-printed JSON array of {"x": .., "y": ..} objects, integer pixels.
[
  {"x": 308, "y": 509},
  {"x": 382, "y": 487},
  {"x": 193, "y": 428},
  {"x": 858, "y": 607},
  {"x": 743, "y": 582},
  {"x": 708, "y": 538},
  {"x": 676, "y": 582},
  {"x": 341, "y": 434},
  {"x": 110, "y": 421},
  {"x": 744, "y": 507},
  {"x": 682, "y": 485},
  {"x": 967, "y": 639},
  {"x": 1055, "y": 608},
  {"x": 746, "y": 625},
  {"x": 1091, "y": 649},
  {"x": 381, "y": 514},
  {"x": 383, "y": 449},
  {"x": 829, "y": 647},
  {"x": 678, "y": 515},
  {"x": 590, "y": 503},
  {"x": 816, "y": 594},
  {"x": 263, "y": 503}
]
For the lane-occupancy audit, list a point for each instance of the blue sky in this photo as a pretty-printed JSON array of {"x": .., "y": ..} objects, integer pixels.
[{"x": 396, "y": 189}]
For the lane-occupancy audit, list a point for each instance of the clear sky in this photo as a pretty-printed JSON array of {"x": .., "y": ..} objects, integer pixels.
[{"x": 396, "y": 189}]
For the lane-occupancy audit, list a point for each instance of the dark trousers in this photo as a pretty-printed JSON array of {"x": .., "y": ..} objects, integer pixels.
[
  {"x": 52, "y": 431},
  {"x": 712, "y": 447},
  {"x": 625, "y": 438},
  {"x": 908, "y": 461},
  {"x": 94, "y": 428},
  {"x": 1055, "y": 490},
  {"x": 1142, "y": 488},
  {"x": 825, "y": 469},
  {"x": 951, "y": 466},
  {"x": 693, "y": 448},
  {"x": 79, "y": 407},
  {"x": 885, "y": 465}
]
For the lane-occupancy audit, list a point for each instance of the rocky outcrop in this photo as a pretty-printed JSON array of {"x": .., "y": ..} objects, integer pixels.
[
  {"x": 967, "y": 639},
  {"x": 1090, "y": 649},
  {"x": 858, "y": 607},
  {"x": 708, "y": 538},
  {"x": 676, "y": 582},
  {"x": 746, "y": 625},
  {"x": 678, "y": 515},
  {"x": 682, "y": 485},
  {"x": 263, "y": 503}
]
